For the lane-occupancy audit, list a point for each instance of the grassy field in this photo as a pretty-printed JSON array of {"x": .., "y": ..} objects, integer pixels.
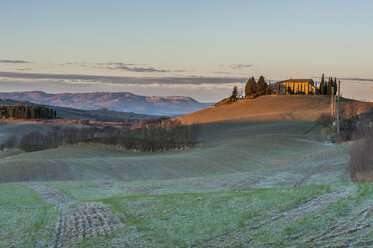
[{"x": 248, "y": 184}]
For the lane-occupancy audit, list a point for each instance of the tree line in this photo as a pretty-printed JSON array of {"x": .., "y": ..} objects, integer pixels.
[
  {"x": 150, "y": 136},
  {"x": 253, "y": 88},
  {"x": 326, "y": 88},
  {"x": 27, "y": 112}
]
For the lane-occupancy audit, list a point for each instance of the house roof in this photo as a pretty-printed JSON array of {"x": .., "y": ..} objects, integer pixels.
[{"x": 296, "y": 80}]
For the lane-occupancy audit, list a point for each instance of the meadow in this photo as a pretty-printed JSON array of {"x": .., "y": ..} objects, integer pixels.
[{"x": 247, "y": 184}]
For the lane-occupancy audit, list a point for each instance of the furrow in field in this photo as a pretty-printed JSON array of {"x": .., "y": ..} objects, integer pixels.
[
  {"x": 73, "y": 224},
  {"x": 50, "y": 195},
  {"x": 278, "y": 218}
]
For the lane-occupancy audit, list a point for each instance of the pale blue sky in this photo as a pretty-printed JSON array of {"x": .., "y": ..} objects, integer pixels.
[{"x": 162, "y": 38}]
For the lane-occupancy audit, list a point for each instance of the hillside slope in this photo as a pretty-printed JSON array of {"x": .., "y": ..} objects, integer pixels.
[
  {"x": 118, "y": 101},
  {"x": 266, "y": 108}
]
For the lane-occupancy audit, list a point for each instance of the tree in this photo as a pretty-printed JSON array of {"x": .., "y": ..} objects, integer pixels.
[
  {"x": 250, "y": 87},
  {"x": 329, "y": 87},
  {"x": 234, "y": 94},
  {"x": 268, "y": 89},
  {"x": 26, "y": 112},
  {"x": 322, "y": 85},
  {"x": 335, "y": 86},
  {"x": 261, "y": 86}
]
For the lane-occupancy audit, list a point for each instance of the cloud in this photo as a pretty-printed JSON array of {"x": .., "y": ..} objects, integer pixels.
[
  {"x": 358, "y": 79},
  {"x": 135, "y": 69},
  {"x": 197, "y": 80},
  {"x": 240, "y": 66},
  {"x": 119, "y": 66},
  {"x": 236, "y": 66},
  {"x": 222, "y": 72},
  {"x": 7, "y": 61},
  {"x": 132, "y": 67}
]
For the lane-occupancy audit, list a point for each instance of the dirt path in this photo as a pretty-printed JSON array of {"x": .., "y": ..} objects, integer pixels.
[
  {"x": 76, "y": 220},
  {"x": 327, "y": 164},
  {"x": 358, "y": 223},
  {"x": 313, "y": 205},
  {"x": 312, "y": 172}
]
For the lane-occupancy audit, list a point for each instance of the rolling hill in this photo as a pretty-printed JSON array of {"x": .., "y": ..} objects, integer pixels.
[
  {"x": 247, "y": 184},
  {"x": 267, "y": 108},
  {"x": 120, "y": 101}
]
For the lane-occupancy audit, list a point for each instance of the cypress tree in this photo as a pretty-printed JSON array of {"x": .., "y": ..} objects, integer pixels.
[
  {"x": 335, "y": 86},
  {"x": 261, "y": 86},
  {"x": 322, "y": 84},
  {"x": 234, "y": 94},
  {"x": 322, "y": 88},
  {"x": 250, "y": 87},
  {"x": 329, "y": 87}
]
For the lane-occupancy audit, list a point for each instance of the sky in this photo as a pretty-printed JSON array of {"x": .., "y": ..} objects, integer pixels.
[{"x": 192, "y": 48}]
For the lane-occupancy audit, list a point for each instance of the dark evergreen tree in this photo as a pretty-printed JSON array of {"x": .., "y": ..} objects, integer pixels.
[
  {"x": 261, "y": 86},
  {"x": 329, "y": 87},
  {"x": 322, "y": 88},
  {"x": 250, "y": 87},
  {"x": 335, "y": 86},
  {"x": 234, "y": 94},
  {"x": 322, "y": 85},
  {"x": 26, "y": 112}
]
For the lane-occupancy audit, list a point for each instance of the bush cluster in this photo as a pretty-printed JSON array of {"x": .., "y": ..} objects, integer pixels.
[
  {"x": 153, "y": 135},
  {"x": 361, "y": 159},
  {"x": 325, "y": 120}
]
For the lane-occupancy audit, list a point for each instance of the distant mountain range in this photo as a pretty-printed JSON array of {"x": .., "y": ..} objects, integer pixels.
[
  {"x": 121, "y": 101},
  {"x": 84, "y": 114}
]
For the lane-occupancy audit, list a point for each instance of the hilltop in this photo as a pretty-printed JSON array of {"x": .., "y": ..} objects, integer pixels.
[
  {"x": 117, "y": 101},
  {"x": 267, "y": 108}
]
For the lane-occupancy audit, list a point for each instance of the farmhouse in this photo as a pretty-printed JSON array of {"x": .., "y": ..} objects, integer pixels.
[{"x": 295, "y": 86}]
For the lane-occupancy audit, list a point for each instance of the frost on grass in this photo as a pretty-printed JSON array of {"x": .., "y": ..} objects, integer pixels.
[
  {"x": 50, "y": 195},
  {"x": 85, "y": 221},
  {"x": 76, "y": 220}
]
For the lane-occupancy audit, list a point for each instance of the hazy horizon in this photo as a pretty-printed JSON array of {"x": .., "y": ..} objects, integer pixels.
[
  {"x": 203, "y": 89},
  {"x": 147, "y": 43}
]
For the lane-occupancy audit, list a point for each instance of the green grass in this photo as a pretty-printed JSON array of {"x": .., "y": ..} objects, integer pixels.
[
  {"x": 253, "y": 218},
  {"x": 24, "y": 217}
]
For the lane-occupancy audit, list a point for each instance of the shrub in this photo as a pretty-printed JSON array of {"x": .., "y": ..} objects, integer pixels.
[
  {"x": 361, "y": 159},
  {"x": 37, "y": 141},
  {"x": 350, "y": 118},
  {"x": 325, "y": 120}
]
